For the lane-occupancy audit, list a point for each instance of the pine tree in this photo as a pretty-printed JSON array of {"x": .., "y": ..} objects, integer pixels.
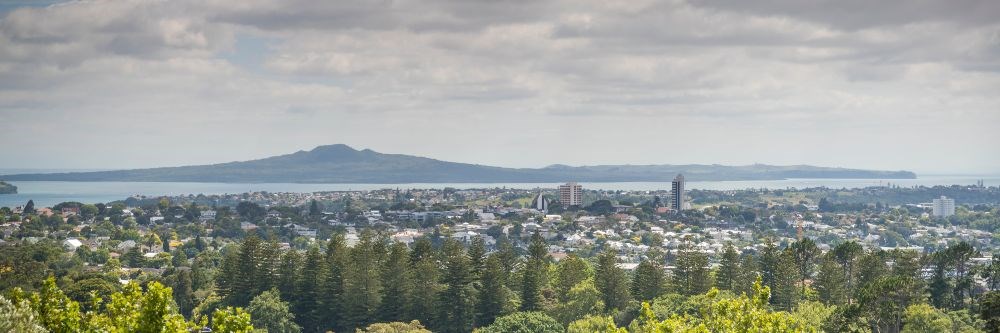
[
  {"x": 396, "y": 283},
  {"x": 226, "y": 279},
  {"x": 647, "y": 283},
  {"x": 611, "y": 281},
  {"x": 805, "y": 252},
  {"x": 767, "y": 262},
  {"x": 334, "y": 285},
  {"x": 268, "y": 261},
  {"x": 784, "y": 293},
  {"x": 847, "y": 256},
  {"x": 534, "y": 274},
  {"x": 749, "y": 272},
  {"x": 492, "y": 294},
  {"x": 830, "y": 281},
  {"x": 309, "y": 309},
  {"x": 363, "y": 292},
  {"x": 246, "y": 281},
  {"x": 424, "y": 268},
  {"x": 183, "y": 294},
  {"x": 691, "y": 276},
  {"x": 729, "y": 269},
  {"x": 288, "y": 274},
  {"x": 477, "y": 256},
  {"x": 569, "y": 272},
  {"x": 455, "y": 307},
  {"x": 314, "y": 208}
]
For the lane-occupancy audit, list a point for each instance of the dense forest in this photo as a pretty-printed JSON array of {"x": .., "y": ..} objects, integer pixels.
[{"x": 442, "y": 285}]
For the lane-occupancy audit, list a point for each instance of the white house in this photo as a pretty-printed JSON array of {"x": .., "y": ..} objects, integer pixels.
[{"x": 71, "y": 244}]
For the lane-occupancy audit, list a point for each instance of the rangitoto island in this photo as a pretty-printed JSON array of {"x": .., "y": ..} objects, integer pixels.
[{"x": 343, "y": 164}]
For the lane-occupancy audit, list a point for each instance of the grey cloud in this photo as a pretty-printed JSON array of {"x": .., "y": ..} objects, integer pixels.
[
  {"x": 433, "y": 70},
  {"x": 862, "y": 14}
]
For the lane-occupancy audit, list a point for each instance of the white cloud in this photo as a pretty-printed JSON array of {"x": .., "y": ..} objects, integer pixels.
[{"x": 181, "y": 82}]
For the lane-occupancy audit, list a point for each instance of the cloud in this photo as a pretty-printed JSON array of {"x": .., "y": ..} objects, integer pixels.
[{"x": 796, "y": 81}]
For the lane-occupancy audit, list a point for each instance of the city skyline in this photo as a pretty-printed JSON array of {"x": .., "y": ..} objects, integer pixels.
[{"x": 125, "y": 84}]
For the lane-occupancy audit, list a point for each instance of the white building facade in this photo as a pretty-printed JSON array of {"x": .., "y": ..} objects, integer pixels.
[{"x": 944, "y": 207}]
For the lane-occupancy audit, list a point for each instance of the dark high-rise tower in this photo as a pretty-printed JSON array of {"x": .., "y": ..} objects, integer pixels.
[{"x": 677, "y": 193}]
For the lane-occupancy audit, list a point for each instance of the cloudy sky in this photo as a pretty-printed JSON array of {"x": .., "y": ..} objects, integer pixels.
[{"x": 889, "y": 84}]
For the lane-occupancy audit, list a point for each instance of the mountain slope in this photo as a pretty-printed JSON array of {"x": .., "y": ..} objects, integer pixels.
[{"x": 343, "y": 164}]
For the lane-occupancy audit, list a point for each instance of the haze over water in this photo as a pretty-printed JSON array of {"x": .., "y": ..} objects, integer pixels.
[{"x": 51, "y": 193}]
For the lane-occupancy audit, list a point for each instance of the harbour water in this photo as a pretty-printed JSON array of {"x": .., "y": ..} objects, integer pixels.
[{"x": 51, "y": 193}]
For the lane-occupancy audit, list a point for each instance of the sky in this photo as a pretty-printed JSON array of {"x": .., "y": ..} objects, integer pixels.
[{"x": 891, "y": 84}]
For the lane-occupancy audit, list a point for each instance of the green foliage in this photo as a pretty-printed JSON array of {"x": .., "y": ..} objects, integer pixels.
[
  {"x": 611, "y": 281},
  {"x": 524, "y": 322},
  {"x": 691, "y": 275},
  {"x": 728, "y": 274},
  {"x": 231, "y": 320},
  {"x": 591, "y": 324},
  {"x": 648, "y": 280},
  {"x": 493, "y": 295},
  {"x": 569, "y": 272},
  {"x": 268, "y": 311},
  {"x": 582, "y": 300},
  {"x": 534, "y": 279},
  {"x": 812, "y": 314},
  {"x": 18, "y": 317},
  {"x": 989, "y": 310},
  {"x": 456, "y": 311},
  {"x": 395, "y": 327},
  {"x": 924, "y": 318}
]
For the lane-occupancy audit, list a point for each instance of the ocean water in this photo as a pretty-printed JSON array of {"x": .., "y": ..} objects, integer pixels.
[{"x": 51, "y": 193}]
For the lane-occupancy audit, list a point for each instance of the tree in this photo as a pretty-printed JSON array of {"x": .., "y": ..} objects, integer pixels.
[
  {"x": 314, "y": 209},
  {"x": 805, "y": 253},
  {"x": 830, "y": 281},
  {"x": 591, "y": 324},
  {"x": 183, "y": 294},
  {"x": 960, "y": 255},
  {"x": 291, "y": 262},
  {"x": 728, "y": 274},
  {"x": 749, "y": 272},
  {"x": 582, "y": 300},
  {"x": 690, "y": 275},
  {"x": 267, "y": 311},
  {"x": 846, "y": 254},
  {"x": 746, "y": 313},
  {"x": 648, "y": 280},
  {"x": 250, "y": 210},
  {"x": 18, "y": 317},
  {"x": 424, "y": 266},
  {"x": 534, "y": 279},
  {"x": 492, "y": 292},
  {"x": 924, "y": 318},
  {"x": 240, "y": 278},
  {"x": 362, "y": 280},
  {"x": 785, "y": 293},
  {"x": 611, "y": 281},
  {"x": 334, "y": 285},
  {"x": 989, "y": 310},
  {"x": 524, "y": 322},
  {"x": 29, "y": 208},
  {"x": 308, "y": 293},
  {"x": 396, "y": 283},
  {"x": 56, "y": 312},
  {"x": 456, "y": 301},
  {"x": 569, "y": 272},
  {"x": 395, "y": 327},
  {"x": 231, "y": 320}
]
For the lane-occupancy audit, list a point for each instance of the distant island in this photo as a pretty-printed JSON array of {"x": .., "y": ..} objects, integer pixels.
[
  {"x": 342, "y": 164},
  {"x": 7, "y": 188}
]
